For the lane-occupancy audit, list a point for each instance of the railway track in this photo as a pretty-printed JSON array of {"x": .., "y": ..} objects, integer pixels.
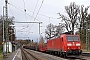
[
  {"x": 24, "y": 56},
  {"x": 27, "y": 55},
  {"x": 45, "y": 56},
  {"x": 84, "y": 56}
]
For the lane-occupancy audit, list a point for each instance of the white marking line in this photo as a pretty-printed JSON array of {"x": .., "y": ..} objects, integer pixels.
[{"x": 15, "y": 55}]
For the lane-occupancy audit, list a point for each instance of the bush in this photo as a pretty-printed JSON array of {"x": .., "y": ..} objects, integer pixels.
[{"x": 1, "y": 55}]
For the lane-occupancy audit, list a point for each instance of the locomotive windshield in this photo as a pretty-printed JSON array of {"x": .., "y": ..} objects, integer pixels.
[{"x": 72, "y": 38}]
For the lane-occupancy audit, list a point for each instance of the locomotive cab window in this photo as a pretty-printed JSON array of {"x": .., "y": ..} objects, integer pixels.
[{"x": 72, "y": 38}]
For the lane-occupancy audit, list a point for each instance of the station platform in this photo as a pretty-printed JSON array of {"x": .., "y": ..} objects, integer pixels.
[{"x": 16, "y": 55}]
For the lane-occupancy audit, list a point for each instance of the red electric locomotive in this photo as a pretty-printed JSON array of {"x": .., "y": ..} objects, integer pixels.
[{"x": 66, "y": 44}]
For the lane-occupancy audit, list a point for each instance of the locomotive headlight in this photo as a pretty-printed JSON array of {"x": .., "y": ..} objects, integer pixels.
[
  {"x": 78, "y": 44},
  {"x": 78, "y": 47},
  {"x": 69, "y": 44},
  {"x": 68, "y": 48}
]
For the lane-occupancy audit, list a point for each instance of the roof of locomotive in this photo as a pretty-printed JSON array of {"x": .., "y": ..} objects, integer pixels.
[
  {"x": 68, "y": 35},
  {"x": 64, "y": 34},
  {"x": 69, "y": 32}
]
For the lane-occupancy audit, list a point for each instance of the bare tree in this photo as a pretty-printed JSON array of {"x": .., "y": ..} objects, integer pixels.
[
  {"x": 67, "y": 22},
  {"x": 72, "y": 11},
  {"x": 59, "y": 29},
  {"x": 53, "y": 31},
  {"x": 83, "y": 16},
  {"x": 49, "y": 31}
]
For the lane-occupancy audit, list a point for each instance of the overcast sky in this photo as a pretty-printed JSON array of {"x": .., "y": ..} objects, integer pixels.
[{"x": 47, "y": 14}]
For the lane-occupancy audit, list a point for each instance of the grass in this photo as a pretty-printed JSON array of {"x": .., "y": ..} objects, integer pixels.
[
  {"x": 1, "y": 55},
  {"x": 84, "y": 50}
]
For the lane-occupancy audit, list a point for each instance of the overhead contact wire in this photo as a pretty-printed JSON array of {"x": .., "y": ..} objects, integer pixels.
[
  {"x": 38, "y": 11},
  {"x": 25, "y": 12},
  {"x": 33, "y": 12},
  {"x": 22, "y": 11},
  {"x": 35, "y": 7}
]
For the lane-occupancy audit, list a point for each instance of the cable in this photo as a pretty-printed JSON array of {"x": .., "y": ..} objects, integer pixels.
[
  {"x": 13, "y": 14},
  {"x": 31, "y": 12},
  {"x": 47, "y": 16},
  {"x": 37, "y": 12},
  {"x": 25, "y": 12},
  {"x": 22, "y": 28},
  {"x": 21, "y": 10},
  {"x": 35, "y": 7},
  {"x": 39, "y": 9}
]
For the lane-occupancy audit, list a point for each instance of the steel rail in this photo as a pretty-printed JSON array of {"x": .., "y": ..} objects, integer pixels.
[
  {"x": 31, "y": 55},
  {"x": 24, "y": 55}
]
